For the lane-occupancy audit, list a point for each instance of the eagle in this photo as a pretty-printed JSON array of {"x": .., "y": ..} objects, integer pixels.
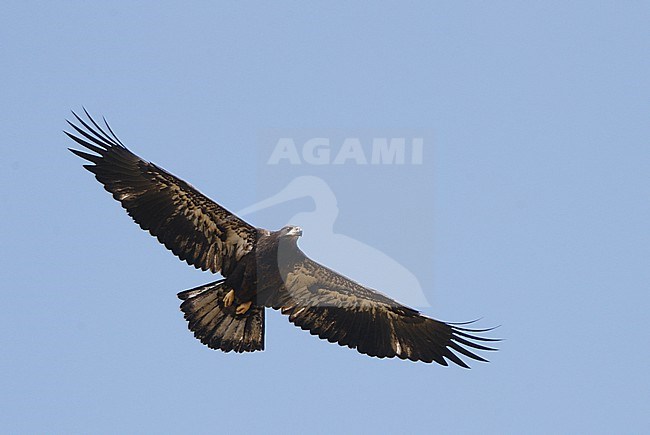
[{"x": 261, "y": 269}]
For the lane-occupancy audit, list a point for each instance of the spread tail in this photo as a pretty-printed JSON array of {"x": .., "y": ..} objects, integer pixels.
[{"x": 218, "y": 327}]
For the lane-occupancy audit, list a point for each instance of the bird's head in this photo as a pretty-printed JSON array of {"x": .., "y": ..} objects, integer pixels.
[{"x": 291, "y": 231}]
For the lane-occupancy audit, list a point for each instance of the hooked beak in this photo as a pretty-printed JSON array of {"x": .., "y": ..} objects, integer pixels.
[{"x": 295, "y": 231}]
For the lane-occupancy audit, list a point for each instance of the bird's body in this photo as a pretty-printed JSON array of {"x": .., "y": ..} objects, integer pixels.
[{"x": 261, "y": 269}]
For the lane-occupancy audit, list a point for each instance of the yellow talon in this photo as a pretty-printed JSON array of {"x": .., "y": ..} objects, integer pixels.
[
  {"x": 242, "y": 308},
  {"x": 229, "y": 298}
]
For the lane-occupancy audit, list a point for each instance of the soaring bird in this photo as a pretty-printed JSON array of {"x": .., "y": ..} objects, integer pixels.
[{"x": 261, "y": 269}]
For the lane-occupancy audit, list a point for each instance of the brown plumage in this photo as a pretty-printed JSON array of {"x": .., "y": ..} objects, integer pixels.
[{"x": 263, "y": 268}]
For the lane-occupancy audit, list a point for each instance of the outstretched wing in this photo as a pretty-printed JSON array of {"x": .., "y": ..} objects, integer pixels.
[
  {"x": 188, "y": 223},
  {"x": 342, "y": 311}
]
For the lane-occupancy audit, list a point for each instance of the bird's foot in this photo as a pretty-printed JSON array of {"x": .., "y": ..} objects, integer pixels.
[
  {"x": 242, "y": 308},
  {"x": 229, "y": 298}
]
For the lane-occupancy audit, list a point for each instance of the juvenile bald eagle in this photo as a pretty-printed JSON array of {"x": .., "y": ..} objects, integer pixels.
[{"x": 261, "y": 269}]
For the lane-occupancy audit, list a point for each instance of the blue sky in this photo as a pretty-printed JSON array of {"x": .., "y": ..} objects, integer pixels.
[{"x": 529, "y": 209}]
